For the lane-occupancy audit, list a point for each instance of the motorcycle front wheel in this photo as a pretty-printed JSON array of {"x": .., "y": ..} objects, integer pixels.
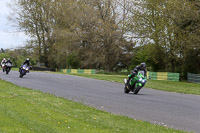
[
  {"x": 21, "y": 76},
  {"x": 7, "y": 70},
  {"x": 22, "y": 73},
  {"x": 137, "y": 90}
]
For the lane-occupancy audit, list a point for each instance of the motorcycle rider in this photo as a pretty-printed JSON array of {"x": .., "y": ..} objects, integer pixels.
[
  {"x": 8, "y": 61},
  {"x": 3, "y": 61},
  {"x": 141, "y": 67},
  {"x": 25, "y": 62}
]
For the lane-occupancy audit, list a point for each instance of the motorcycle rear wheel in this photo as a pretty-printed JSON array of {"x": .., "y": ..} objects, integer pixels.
[{"x": 126, "y": 90}]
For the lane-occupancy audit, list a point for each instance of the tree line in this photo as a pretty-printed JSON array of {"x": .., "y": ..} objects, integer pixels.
[{"x": 112, "y": 34}]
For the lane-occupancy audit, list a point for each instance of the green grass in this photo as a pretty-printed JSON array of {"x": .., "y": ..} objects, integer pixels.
[
  {"x": 171, "y": 86},
  {"x": 30, "y": 111},
  {"x": 14, "y": 69}
]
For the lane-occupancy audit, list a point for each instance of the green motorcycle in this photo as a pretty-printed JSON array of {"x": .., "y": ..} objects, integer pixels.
[{"x": 136, "y": 83}]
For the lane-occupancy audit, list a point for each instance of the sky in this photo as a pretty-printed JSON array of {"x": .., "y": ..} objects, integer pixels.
[{"x": 10, "y": 37}]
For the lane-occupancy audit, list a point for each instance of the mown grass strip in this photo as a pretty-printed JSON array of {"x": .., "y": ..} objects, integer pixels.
[
  {"x": 171, "y": 86},
  {"x": 25, "y": 110},
  {"x": 14, "y": 69}
]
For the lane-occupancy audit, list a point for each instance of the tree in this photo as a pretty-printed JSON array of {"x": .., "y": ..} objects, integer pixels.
[
  {"x": 94, "y": 32},
  {"x": 102, "y": 41},
  {"x": 73, "y": 61},
  {"x": 185, "y": 15},
  {"x": 35, "y": 18},
  {"x": 164, "y": 26}
]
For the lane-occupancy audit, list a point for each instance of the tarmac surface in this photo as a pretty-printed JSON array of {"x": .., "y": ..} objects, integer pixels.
[{"x": 174, "y": 110}]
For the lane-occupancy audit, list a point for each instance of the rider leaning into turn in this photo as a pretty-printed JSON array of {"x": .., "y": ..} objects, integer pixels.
[
  {"x": 141, "y": 67},
  {"x": 25, "y": 62}
]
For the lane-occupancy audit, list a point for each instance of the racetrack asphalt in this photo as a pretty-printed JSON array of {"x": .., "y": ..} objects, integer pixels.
[{"x": 174, "y": 110}]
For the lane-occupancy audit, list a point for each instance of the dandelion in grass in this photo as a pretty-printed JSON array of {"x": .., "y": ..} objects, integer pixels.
[{"x": 58, "y": 122}]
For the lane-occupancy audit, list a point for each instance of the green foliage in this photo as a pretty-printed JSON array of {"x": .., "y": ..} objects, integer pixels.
[
  {"x": 16, "y": 60},
  {"x": 103, "y": 33},
  {"x": 19, "y": 60},
  {"x": 93, "y": 32},
  {"x": 73, "y": 61},
  {"x": 142, "y": 54},
  {"x": 168, "y": 28},
  {"x": 4, "y": 55},
  {"x": 17, "y": 56}
]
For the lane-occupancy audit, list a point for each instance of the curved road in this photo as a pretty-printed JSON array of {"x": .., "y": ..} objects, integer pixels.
[{"x": 174, "y": 110}]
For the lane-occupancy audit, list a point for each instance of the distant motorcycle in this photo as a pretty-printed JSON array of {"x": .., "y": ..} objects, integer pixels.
[
  {"x": 24, "y": 69},
  {"x": 8, "y": 67},
  {"x": 136, "y": 83}
]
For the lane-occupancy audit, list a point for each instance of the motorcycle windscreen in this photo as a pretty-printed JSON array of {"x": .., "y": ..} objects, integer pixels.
[
  {"x": 8, "y": 64},
  {"x": 141, "y": 73}
]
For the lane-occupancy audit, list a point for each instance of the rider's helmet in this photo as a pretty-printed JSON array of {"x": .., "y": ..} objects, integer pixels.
[
  {"x": 4, "y": 58},
  {"x": 27, "y": 59},
  {"x": 143, "y": 66},
  {"x": 8, "y": 59}
]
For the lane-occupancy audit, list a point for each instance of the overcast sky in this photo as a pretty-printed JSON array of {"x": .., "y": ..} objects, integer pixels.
[{"x": 10, "y": 37}]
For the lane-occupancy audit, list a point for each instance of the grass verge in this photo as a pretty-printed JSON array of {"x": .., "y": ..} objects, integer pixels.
[
  {"x": 171, "y": 86},
  {"x": 14, "y": 69},
  {"x": 25, "y": 110}
]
